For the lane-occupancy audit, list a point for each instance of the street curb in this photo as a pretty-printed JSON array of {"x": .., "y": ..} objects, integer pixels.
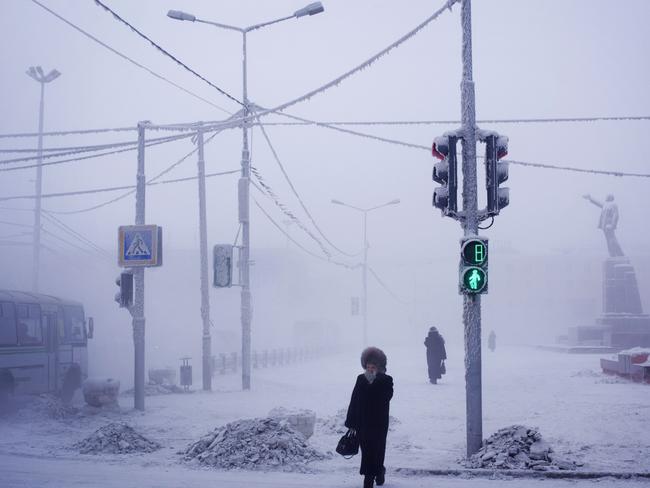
[{"x": 520, "y": 473}]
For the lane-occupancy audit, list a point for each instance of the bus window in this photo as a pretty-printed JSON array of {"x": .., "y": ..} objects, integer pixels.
[
  {"x": 29, "y": 324},
  {"x": 74, "y": 324},
  {"x": 7, "y": 324}
]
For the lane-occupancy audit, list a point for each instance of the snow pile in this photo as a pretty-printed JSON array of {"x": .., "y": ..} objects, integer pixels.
[
  {"x": 334, "y": 424},
  {"x": 152, "y": 389},
  {"x": 517, "y": 447},
  {"x": 51, "y": 406},
  {"x": 115, "y": 438},
  {"x": 254, "y": 444}
]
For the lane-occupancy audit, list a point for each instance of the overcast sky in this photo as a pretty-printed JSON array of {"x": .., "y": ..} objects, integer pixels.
[{"x": 539, "y": 58}]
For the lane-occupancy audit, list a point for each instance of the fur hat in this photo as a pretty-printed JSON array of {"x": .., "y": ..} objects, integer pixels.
[{"x": 375, "y": 356}]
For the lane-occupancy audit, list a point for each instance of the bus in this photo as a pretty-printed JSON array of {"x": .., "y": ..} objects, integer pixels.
[{"x": 43, "y": 344}]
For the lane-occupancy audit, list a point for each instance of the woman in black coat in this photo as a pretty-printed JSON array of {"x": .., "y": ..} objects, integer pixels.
[
  {"x": 368, "y": 414},
  {"x": 436, "y": 354}
]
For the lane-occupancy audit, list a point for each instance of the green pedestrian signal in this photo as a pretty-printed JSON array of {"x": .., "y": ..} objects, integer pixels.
[
  {"x": 473, "y": 265},
  {"x": 474, "y": 279}
]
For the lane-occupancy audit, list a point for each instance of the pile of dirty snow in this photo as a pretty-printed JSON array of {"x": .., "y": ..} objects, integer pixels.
[
  {"x": 152, "y": 389},
  {"x": 254, "y": 444},
  {"x": 48, "y": 406},
  {"x": 518, "y": 447},
  {"x": 115, "y": 438}
]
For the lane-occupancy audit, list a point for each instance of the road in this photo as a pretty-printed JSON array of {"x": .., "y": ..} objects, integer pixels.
[{"x": 35, "y": 472}]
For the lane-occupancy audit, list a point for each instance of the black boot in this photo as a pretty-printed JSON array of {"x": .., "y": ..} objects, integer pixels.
[
  {"x": 368, "y": 481},
  {"x": 380, "y": 479}
]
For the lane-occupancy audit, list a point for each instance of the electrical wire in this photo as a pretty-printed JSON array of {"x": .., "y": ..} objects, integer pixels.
[
  {"x": 73, "y": 233},
  {"x": 110, "y": 188},
  {"x": 449, "y": 122},
  {"x": 127, "y": 58},
  {"x": 165, "y": 52},
  {"x": 335, "y": 82},
  {"x": 98, "y": 147},
  {"x": 295, "y": 192},
  {"x": 385, "y": 287},
  {"x": 303, "y": 248}
]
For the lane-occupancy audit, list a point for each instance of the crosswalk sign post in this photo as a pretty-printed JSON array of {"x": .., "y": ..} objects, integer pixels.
[{"x": 139, "y": 246}]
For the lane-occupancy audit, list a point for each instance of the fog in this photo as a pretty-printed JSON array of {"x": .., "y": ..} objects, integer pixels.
[{"x": 534, "y": 59}]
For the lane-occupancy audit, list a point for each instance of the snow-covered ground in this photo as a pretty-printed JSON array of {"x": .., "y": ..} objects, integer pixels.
[{"x": 596, "y": 419}]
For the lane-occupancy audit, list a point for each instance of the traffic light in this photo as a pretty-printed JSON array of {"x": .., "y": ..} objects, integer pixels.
[
  {"x": 222, "y": 265},
  {"x": 445, "y": 172},
  {"x": 496, "y": 173},
  {"x": 125, "y": 296},
  {"x": 473, "y": 277}
]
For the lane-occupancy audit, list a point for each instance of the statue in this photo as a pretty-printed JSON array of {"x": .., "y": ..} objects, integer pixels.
[{"x": 607, "y": 222}]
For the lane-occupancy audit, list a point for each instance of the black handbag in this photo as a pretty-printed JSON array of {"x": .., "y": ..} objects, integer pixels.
[
  {"x": 348, "y": 445},
  {"x": 443, "y": 369}
]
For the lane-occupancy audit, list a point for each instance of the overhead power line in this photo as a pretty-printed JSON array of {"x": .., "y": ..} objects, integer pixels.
[
  {"x": 295, "y": 192},
  {"x": 385, "y": 287},
  {"x": 67, "y": 132},
  {"x": 165, "y": 52},
  {"x": 303, "y": 248},
  {"x": 110, "y": 188},
  {"x": 449, "y": 122},
  {"x": 99, "y": 147},
  {"x": 83, "y": 158},
  {"x": 127, "y": 58}
]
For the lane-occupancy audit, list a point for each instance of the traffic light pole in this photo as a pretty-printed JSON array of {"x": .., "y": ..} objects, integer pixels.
[
  {"x": 137, "y": 311},
  {"x": 364, "y": 304},
  {"x": 471, "y": 302}
]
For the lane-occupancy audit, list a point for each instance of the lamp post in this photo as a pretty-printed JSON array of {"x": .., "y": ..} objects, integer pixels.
[
  {"x": 244, "y": 181},
  {"x": 364, "y": 299},
  {"x": 36, "y": 72}
]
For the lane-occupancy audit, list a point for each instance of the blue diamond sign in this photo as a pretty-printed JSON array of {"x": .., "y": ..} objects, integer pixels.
[{"x": 139, "y": 245}]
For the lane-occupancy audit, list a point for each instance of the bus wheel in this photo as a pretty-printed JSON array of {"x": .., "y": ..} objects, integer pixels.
[
  {"x": 71, "y": 382},
  {"x": 7, "y": 385}
]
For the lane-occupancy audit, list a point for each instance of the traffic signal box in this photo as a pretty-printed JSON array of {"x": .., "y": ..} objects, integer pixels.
[
  {"x": 445, "y": 197},
  {"x": 125, "y": 296},
  {"x": 473, "y": 269}
]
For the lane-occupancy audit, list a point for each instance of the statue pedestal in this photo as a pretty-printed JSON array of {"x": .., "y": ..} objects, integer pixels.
[{"x": 622, "y": 324}]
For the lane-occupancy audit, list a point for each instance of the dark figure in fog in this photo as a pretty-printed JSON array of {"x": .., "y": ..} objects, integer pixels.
[
  {"x": 436, "y": 354},
  {"x": 492, "y": 341},
  {"x": 368, "y": 414}
]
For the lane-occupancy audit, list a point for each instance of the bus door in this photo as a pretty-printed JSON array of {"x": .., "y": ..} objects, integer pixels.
[{"x": 50, "y": 330}]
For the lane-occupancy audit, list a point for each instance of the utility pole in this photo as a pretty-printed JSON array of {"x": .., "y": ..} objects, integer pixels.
[
  {"x": 471, "y": 302},
  {"x": 364, "y": 268},
  {"x": 364, "y": 299},
  {"x": 38, "y": 75},
  {"x": 244, "y": 220},
  {"x": 205, "y": 298},
  {"x": 137, "y": 310},
  {"x": 244, "y": 181}
]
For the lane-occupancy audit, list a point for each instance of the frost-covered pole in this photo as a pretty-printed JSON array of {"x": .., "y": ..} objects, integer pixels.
[
  {"x": 138, "y": 275},
  {"x": 364, "y": 303},
  {"x": 471, "y": 302},
  {"x": 205, "y": 298},
  {"x": 36, "y": 73},
  {"x": 244, "y": 219}
]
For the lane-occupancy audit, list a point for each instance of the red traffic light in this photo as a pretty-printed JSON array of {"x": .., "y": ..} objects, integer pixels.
[{"x": 440, "y": 148}]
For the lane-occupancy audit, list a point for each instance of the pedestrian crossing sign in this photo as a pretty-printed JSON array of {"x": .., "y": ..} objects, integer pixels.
[{"x": 139, "y": 245}]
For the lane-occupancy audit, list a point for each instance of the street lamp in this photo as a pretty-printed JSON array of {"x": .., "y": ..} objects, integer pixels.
[
  {"x": 364, "y": 304},
  {"x": 36, "y": 73},
  {"x": 244, "y": 181}
]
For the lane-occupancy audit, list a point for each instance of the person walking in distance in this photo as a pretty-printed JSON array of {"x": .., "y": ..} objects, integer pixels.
[
  {"x": 492, "y": 341},
  {"x": 368, "y": 414},
  {"x": 436, "y": 355}
]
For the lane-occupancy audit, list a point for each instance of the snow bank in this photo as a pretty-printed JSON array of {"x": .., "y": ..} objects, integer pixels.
[
  {"x": 116, "y": 438},
  {"x": 517, "y": 447},
  {"x": 254, "y": 444}
]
